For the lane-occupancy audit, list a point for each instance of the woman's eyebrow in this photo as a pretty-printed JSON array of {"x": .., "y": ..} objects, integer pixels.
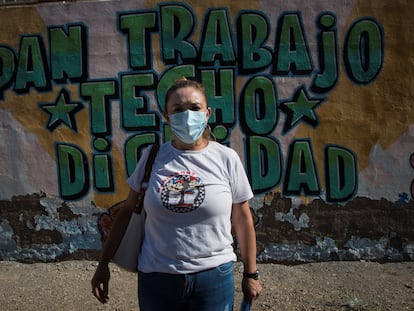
[{"x": 189, "y": 103}]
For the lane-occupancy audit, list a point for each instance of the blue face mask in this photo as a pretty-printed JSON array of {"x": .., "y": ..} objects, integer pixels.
[{"x": 188, "y": 125}]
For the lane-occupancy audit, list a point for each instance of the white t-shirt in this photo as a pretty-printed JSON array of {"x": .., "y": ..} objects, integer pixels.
[{"x": 188, "y": 205}]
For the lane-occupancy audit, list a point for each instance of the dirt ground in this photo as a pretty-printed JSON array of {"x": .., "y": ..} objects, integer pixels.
[{"x": 65, "y": 286}]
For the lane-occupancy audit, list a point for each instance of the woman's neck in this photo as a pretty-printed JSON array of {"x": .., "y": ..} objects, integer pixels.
[{"x": 201, "y": 143}]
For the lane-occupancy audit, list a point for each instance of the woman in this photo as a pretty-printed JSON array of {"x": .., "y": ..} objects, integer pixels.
[{"x": 198, "y": 192}]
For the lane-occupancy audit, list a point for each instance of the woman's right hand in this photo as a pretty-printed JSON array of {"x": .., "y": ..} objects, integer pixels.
[
  {"x": 100, "y": 280},
  {"x": 100, "y": 283}
]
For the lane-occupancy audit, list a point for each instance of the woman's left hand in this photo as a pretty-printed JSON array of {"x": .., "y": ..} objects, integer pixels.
[
  {"x": 251, "y": 289},
  {"x": 100, "y": 282}
]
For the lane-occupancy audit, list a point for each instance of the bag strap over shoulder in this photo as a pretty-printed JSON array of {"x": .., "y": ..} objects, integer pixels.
[{"x": 148, "y": 166}]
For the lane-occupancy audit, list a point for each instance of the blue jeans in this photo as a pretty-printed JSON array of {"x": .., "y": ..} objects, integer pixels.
[{"x": 210, "y": 290}]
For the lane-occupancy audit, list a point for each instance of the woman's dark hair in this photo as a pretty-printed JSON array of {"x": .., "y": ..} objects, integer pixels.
[{"x": 182, "y": 83}]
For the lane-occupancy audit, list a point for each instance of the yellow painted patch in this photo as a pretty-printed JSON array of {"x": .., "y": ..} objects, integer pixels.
[{"x": 359, "y": 117}]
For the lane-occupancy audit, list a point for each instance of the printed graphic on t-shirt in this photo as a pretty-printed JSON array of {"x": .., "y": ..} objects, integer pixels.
[{"x": 182, "y": 193}]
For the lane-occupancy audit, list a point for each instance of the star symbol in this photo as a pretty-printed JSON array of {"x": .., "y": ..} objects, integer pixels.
[
  {"x": 62, "y": 111},
  {"x": 301, "y": 108}
]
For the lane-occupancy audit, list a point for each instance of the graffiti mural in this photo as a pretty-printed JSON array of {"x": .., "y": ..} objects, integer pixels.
[{"x": 315, "y": 100}]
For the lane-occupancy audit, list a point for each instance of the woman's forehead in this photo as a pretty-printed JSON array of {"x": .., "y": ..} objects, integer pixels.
[{"x": 187, "y": 95}]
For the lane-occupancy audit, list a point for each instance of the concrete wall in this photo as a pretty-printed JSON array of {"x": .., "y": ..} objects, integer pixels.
[{"x": 316, "y": 99}]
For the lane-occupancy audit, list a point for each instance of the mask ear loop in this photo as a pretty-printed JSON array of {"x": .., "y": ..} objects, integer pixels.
[{"x": 210, "y": 133}]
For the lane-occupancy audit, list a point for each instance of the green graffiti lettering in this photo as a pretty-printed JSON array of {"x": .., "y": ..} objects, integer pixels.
[
  {"x": 328, "y": 74},
  {"x": 217, "y": 63},
  {"x": 68, "y": 54},
  {"x": 102, "y": 173},
  {"x": 138, "y": 28},
  {"x": 252, "y": 35},
  {"x": 169, "y": 77},
  {"x": 133, "y": 149},
  {"x": 216, "y": 42},
  {"x": 341, "y": 174},
  {"x": 264, "y": 163},
  {"x": 301, "y": 174},
  {"x": 7, "y": 69},
  {"x": 258, "y": 106},
  {"x": 134, "y": 108},
  {"x": 32, "y": 67},
  {"x": 292, "y": 54},
  {"x": 220, "y": 88},
  {"x": 363, "y": 51},
  {"x": 177, "y": 25},
  {"x": 73, "y": 171},
  {"x": 99, "y": 93}
]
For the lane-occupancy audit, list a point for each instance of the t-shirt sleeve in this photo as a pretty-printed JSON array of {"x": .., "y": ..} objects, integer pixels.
[
  {"x": 134, "y": 181},
  {"x": 241, "y": 189}
]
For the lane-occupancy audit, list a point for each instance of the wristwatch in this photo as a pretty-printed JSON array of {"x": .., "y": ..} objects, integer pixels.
[{"x": 254, "y": 275}]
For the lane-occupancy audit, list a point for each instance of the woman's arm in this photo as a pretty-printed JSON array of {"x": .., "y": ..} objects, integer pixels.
[
  {"x": 243, "y": 226},
  {"x": 100, "y": 280}
]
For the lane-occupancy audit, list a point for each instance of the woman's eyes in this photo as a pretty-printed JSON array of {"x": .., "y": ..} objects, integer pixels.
[
  {"x": 193, "y": 108},
  {"x": 178, "y": 110}
]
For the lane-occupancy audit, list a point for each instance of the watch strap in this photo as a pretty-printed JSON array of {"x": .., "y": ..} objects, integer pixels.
[{"x": 254, "y": 275}]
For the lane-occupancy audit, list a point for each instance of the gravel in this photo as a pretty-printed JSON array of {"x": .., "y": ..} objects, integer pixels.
[{"x": 324, "y": 286}]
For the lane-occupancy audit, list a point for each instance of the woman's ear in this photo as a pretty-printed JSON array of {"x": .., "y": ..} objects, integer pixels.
[
  {"x": 166, "y": 117},
  {"x": 209, "y": 111}
]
